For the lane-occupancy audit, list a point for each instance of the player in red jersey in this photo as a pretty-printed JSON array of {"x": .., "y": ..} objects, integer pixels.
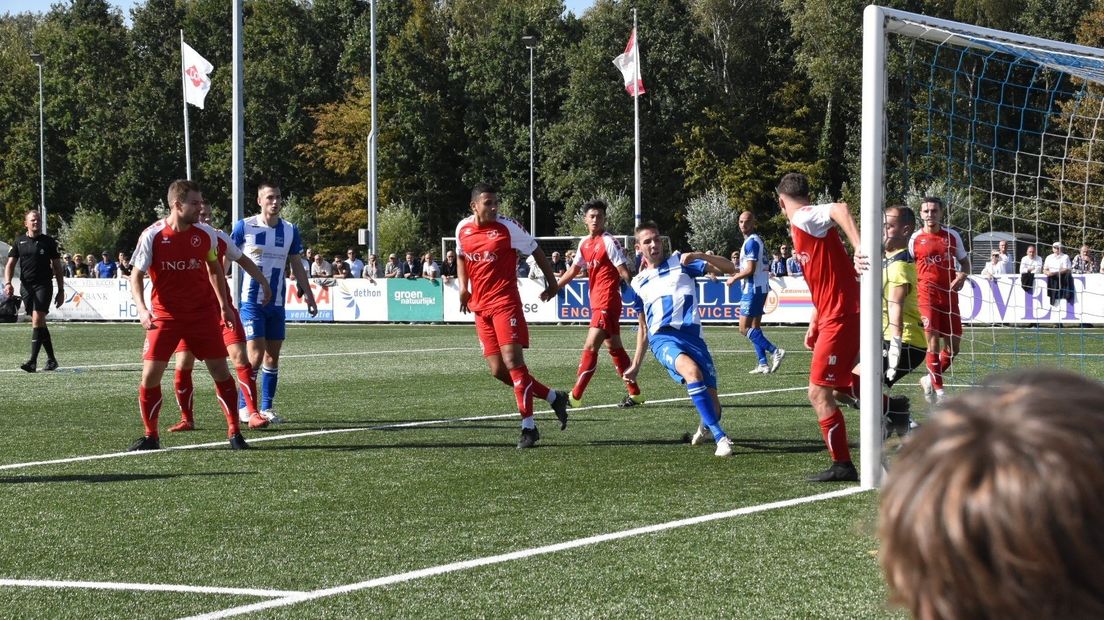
[
  {"x": 604, "y": 260},
  {"x": 188, "y": 285},
  {"x": 233, "y": 336},
  {"x": 940, "y": 273},
  {"x": 486, "y": 249},
  {"x": 833, "y": 333}
]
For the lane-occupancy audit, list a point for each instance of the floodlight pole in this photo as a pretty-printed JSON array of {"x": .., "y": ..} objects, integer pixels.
[
  {"x": 40, "y": 60},
  {"x": 530, "y": 42}
]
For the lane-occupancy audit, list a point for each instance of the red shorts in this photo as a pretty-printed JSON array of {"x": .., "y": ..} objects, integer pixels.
[
  {"x": 230, "y": 335},
  {"x": 501, "y": 326},
  {"x": 942, "y": 319},
  {"x": 200, "y": 335},
  {"x": 835, "y": 351},
  {"x": 607, "y": 318}
]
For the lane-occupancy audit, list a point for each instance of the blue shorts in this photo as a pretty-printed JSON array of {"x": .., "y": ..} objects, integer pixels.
[
  {"x": 668, "y": 344},
  {"x": 751, "y": 304},
  {"x": 268, "y": 322}
]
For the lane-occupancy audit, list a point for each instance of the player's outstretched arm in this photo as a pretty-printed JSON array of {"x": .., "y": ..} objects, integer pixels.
[
  {"x": 570, "y": 274},
  {"x": 717, "y": 264}
]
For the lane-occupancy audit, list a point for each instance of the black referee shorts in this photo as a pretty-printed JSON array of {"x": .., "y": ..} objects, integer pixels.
[
  {"x": 37, "y": 297},
  {"x": 911, "y": 359}
]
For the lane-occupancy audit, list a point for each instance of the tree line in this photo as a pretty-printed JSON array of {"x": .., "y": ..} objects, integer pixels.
[{"x": 739, "y": 92}]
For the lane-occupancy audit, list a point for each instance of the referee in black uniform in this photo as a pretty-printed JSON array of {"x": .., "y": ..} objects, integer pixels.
[{"x": 38, "y": 257}]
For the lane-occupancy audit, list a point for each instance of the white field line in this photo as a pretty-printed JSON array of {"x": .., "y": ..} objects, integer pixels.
[
  {"x": 294, "y": 599},
  {"x": 146, "y": 587},
  {"x": 334, "y": 431}
]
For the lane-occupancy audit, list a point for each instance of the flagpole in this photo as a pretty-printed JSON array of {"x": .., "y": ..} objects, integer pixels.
[
  {"x": 238, "y": 131},
  {"x": 184, "y": 93},
  {"x": 636, "y": 125},
  {"x": 373, "y": 206}
]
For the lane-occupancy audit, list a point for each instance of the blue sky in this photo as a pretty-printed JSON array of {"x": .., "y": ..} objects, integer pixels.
[{"x": 20, "y": 6}]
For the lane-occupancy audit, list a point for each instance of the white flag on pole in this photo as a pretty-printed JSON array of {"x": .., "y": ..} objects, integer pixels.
[
  {"x": 196, "y": 72},
  {"x": 629, "y": 65}
]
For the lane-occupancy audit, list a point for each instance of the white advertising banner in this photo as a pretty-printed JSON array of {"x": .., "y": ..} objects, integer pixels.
[{"x": 359, "y": 299}]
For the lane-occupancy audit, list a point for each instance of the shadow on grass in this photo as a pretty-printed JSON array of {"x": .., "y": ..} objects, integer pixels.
[
  {"x": 100, "y": 478},
  {"x": 785, "y": 446},
  {"x": 391, "y": 446}
]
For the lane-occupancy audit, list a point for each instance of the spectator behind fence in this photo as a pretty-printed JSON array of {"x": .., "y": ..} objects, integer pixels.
[
  {"x": 90, "y": 260},
  {"x": 992, "y": 509},
  {"x": 559, "y": 267},
  {"x": 777, "y": 266},
  {"x": 356, "y": 266},
  {"x": 994, "y": 267},
  {"x": 124, "y": 265},
  {"x": 411, "y": 267},
  {"x": 448, "y": 268},
  {"x": 340, "y": 268},
  {"x": 392, "y": 268},
  {"x": 320, "y": 268},
  {"x": 80, "y": 269},
  {"x": 68, "y": 265},
  {"x": 430, "y": 270},
  {"x": 106, "y": 268},
  {"x": 1083, "y": 262},
  {"x": 372, "y": 269},
  {"x": 1005, "y": 258},
  {"x": 1056, "y": 268}
]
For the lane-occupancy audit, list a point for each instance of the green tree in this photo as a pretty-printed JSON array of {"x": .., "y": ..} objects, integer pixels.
[
  {"x": 90, "y": 232},
  {"x": 714, "y": 225},
  {"x": 400, "y": 230}
]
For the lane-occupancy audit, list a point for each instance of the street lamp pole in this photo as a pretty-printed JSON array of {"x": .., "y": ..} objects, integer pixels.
[
  {"x": 530, "y": 42},
  {"x": 40, "y": 59}
]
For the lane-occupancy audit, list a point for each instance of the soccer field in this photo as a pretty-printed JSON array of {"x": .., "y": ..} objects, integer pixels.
[{"x": 395, "y": 490}]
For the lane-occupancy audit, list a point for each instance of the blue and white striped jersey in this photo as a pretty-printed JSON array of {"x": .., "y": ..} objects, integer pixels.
[
  {"x": 668, "y": 295},
  {"x": 268, "y": 247},
  {"x": 755, "y": 250}
]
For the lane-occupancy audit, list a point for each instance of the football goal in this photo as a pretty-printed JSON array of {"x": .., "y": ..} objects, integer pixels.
[{"x": 1006, "y": 130}]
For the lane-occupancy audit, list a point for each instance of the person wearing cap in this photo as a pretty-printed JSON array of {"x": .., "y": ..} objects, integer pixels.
[
  {"x": 106, "y": 268},
  {"x": 994, "y": 267},
  {"x": 392, "y": 269},
  {"x": 1057, "y": 268}
]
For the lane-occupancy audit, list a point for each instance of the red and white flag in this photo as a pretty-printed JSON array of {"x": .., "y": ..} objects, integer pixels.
[
  {"x": 196, "y": 71},
  {"x": 629, "y": 65}
]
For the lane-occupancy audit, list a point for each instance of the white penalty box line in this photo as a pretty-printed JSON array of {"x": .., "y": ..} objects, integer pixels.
[{"x": 303, "y": 597}]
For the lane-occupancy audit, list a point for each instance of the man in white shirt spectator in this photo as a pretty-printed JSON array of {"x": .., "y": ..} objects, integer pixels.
[
  {"x": 356, "y": 266},
  {"x": 1031, "y": 262},
  {"x": 1057, "y": 269},
  {"x": 1005, "y": 260},
  {"x": 430, "y": 270},
  {"x": 994, "y": 267},
  {"x": 320, "y": 268}
]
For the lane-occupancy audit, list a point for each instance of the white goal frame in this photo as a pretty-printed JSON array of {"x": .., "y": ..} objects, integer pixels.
[{"x": 878, "y": 23}]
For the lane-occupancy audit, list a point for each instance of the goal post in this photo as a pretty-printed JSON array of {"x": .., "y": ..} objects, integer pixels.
[{"x": 1008, "y": 130}]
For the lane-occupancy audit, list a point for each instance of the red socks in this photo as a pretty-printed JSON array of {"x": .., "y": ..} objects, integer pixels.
[
  {"x": 834, "y": 431},
  {"x": 935, "y": 369},
  {"x": 944, "y": 361},
  {"x": 622, "y": 362},
  {"x": 227, "y": 391},
  {"x": 185, "y": 393},
  {"x": 149, "y": 405},
  {"x": 523, "y": 390},
  {"x": 247, "y": 379},
  {"x": 587, "y": 363}
]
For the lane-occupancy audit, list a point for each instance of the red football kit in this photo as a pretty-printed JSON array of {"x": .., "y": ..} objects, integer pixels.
[
  {"x": 234, "y": 333},
  {"x": 182, "y": 303},
  {"x": 490, "y": 255},
  {"x": 601, "y": 256},
  {"x": 834, "y": 287},
  {"x": 936, "y": 255}
]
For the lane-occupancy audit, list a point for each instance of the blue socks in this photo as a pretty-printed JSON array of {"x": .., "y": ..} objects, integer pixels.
[
  {"x": 269, "y": 378},
  {"x": 699, "y": 393},
  {"x": 761, "y": 344}
]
